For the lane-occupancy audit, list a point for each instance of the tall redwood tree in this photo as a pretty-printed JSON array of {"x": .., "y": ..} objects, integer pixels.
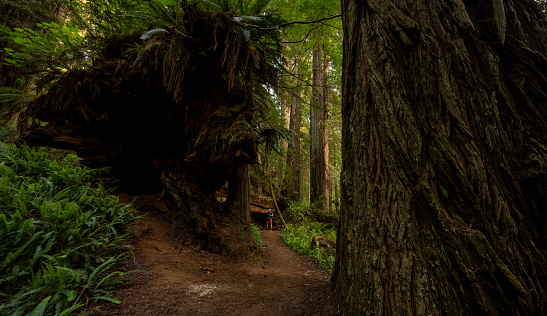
[
  {"x": 444, "y": 175},
  {"x": 292, "y": 180},
  {"x": 319, "y": 150}
]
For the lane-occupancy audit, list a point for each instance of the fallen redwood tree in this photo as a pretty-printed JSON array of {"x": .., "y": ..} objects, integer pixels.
[{"x": 172, "y": 116}]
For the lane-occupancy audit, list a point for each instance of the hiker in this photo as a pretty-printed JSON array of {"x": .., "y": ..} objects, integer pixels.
[{"x": 269, "y": 221}]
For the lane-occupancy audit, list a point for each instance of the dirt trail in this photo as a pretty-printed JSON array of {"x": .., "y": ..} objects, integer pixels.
[{"x": 181, "y": 279}]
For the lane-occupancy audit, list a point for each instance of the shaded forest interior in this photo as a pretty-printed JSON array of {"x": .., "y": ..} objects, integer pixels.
[
  {"x": 183, "y": 109},
  {"x": 424, "y": 142}
]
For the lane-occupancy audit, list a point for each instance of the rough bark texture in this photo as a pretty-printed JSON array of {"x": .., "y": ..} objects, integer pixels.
[
  {"x": 199, "y": 205},
  {"x": 318, "y": 135},
  {"x": 239, "y": 186},
  {"x": 444, "y": 159}
]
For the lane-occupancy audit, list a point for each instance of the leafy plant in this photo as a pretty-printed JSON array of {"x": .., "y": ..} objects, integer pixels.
[
  {"x": 46, "y": 51},
  {"x": 302, "y": 213},
  {"x": 60, "y": 234},
  {"x": 299, "y": 234},
  {"x": 256, "y": 233},
  {"x": 242, "y": 8}
]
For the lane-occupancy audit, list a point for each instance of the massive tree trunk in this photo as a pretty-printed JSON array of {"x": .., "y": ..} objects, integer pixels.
[
  {"x": 444, "y": 159},
  {"x": 318, "y": 135}
]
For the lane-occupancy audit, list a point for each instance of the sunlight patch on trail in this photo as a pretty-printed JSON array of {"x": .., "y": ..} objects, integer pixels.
[{"x": 202, "y": 289}]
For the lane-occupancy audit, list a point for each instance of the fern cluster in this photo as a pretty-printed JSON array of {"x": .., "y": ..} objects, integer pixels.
[
  {"x": 299, "y": 234},
  {"x": 256, "y": 234},
  {"x": 60, "y": 235}
]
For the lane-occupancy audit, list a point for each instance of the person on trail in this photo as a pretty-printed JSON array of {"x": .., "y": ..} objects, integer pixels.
[{"x": 269, "y": 221}]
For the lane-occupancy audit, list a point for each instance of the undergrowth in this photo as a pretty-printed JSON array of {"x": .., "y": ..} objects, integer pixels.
[
  {"x": 303, "y": 227},
  {"x": 256, "y": 233},
  {"x": 60, "y": 234},
  {"x": 257, "y": 254}
]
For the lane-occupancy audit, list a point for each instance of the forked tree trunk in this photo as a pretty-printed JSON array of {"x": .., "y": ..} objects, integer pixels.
[
  {"x": 318, "y": 135},
  {"x": 444, "y": 159}
]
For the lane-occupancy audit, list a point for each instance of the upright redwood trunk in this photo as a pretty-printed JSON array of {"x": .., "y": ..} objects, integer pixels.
[
  {"x": 286, "y": 116},
  {"x": 337, "y": 197},
  {"x": 444, "y": 159},
  {"x": 284, "y": 144},
  {"x": 238, "y": 200},
  {"x": 292, "y": 180},
  {"x": 325, "y": 141},
  {"x": 318, "y": 135}
]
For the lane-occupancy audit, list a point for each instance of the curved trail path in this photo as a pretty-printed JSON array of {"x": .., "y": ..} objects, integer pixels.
[{"x": 181, "y": 279}]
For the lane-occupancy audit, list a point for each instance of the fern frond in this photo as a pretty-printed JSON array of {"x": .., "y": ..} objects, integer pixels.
[
  {"x": 107, "y": 298},
  {"x": 271, "y": 135},
  {"x": 8, "y": 95},
  {"x": 153, "y": 32},
  {"x": 40, "y": 309},
  {"x": 14, "y": 104}
]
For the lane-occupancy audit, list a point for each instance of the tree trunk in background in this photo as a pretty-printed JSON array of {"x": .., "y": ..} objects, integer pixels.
[
  {"x": 318, "y": 135},
  {"x": 238, "y": 200},
  {"x": 286, "y": 116},
  {"x": 324, "y": 130},
  {"x": 444, "y": 159},
  {"x": 331, "y": 192},
  {"x": 335, "y": 179},
  {"x": 337, "y": 197},
  {"x": 292, "y": 180}
]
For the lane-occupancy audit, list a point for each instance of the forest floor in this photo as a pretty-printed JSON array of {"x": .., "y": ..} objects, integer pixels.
[{"x": 179, "y": 278}]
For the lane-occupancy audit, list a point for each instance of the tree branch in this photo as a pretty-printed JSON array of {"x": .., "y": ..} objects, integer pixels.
[{"x": 291, "y": 23}]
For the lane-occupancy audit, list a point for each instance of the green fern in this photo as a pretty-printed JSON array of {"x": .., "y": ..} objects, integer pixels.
[
  {"x": 55, "y": 227},
  {"x": 40, "y": 308},
  {"x": 299, "y": 234}
]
